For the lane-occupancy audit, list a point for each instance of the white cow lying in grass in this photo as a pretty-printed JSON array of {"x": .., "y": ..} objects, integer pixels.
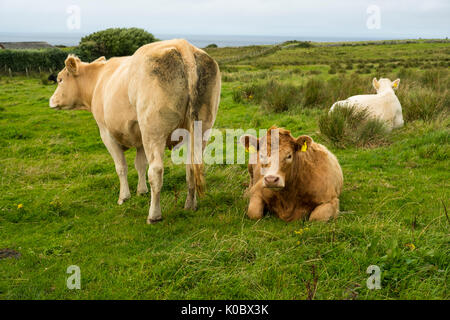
[{"x": 384, "y": 105}]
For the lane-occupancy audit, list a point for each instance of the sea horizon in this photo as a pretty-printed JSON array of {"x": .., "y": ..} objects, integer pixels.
[{"x": 72, "y": 39}]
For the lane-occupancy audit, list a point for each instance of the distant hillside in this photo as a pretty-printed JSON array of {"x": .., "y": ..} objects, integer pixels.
[{"x": 25, "y": 45}]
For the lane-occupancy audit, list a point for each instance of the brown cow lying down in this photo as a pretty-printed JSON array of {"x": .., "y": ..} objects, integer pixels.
[{"x": 303, "y": 183}]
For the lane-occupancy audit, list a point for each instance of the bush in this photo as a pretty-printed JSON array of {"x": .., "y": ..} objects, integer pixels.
[
  {"x": 423, "y": 103},
  {"x": 314, "y": 92},
  {"x": 279, "y": 97},
  {"x": 298, "y": 44},
  {"x": 113, "y": 42},
  {"x": 435, "y": 79},
  {"x": 274, "y": 96},
  {"x": 18, "y": 60},
  {"x": 347, "y": 126},
  {"x": 212, "y": 45},
  {"x": 237, "y": 95}
]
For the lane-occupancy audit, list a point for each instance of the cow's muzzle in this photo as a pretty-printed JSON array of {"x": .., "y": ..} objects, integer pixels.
[{"x": 273, "y": 182}]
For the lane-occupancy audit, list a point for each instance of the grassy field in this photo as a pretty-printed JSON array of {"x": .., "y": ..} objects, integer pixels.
[{"x": 59, "y": 191}]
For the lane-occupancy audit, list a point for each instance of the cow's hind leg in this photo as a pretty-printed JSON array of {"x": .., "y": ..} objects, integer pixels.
[
  {"x": 117, "y": 153},
  {"x": 325, "y": 211},
  {"x": 140, "y": 163},
  {"x": 191, "y": 199},
  {"x": 154, "y": 149}
]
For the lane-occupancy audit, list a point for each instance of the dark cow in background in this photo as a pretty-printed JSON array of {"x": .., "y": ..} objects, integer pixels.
[
  {"x": 304, "y": 182},
  {"x": 53, "y": 77}
]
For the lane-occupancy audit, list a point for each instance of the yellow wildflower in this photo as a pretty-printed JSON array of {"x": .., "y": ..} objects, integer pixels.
[
  {"x": 411, "y": 246},
  {"x": 19, "y": 206},
  {"x": 301, "y": 231}
]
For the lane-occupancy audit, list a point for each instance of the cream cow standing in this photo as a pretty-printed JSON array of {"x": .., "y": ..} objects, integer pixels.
[
  {"x": 383, "y": 105},
  {"x": 138, "y": 101}
]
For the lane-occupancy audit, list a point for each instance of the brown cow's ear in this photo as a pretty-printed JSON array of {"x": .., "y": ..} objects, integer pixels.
[
  {"x": 249, "y": 142},
  {"x": 303, "y": 143},
  {"x": 72, "y": 64}
]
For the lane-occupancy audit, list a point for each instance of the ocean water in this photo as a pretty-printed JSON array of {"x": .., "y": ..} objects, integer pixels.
[{"x": 201, "y": 41}]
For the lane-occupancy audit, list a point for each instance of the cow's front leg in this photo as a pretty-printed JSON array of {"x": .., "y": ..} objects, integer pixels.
[
  {"x": 155, "y": 153},
  {"x": 120, "y": 163},
  {"x": 325, "y": 211},
  {"x": 256, "y": 206},
  {"x": 140, "y": 163}
]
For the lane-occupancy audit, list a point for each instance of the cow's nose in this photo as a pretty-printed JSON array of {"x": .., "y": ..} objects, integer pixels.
[{"x": 271, "y": 179}]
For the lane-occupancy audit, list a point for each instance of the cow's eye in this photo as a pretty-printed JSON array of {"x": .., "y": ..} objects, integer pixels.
[
  {"x": 59, "y": 80},
  {"x": 289, "y": 157}
]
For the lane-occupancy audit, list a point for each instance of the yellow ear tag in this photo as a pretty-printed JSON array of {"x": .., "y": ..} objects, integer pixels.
[
  {"x": 304, "y": 147},
  {"x": 251, "y": 149},
  {"x": 395, "y": 85}
]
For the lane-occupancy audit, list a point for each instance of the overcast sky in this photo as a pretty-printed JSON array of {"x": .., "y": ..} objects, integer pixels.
[{"x": 398, "y": 18}]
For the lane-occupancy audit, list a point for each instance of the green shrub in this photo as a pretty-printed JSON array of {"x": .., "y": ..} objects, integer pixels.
[
  {"x": 279, "y": 97},
  {"x": 435, "y": 78},
  {"x": 237, "y": 95},
  {"x": 313, "y": 72},
  {"x": 314, "y": 92},
  {"x": 274, "y": 96},
  {"x": 212, "y": 45},
  {"x": 18, "y": 60},
  {"x": 113, "y": 42},
  {"x": 298, "y": 44},
  {"x": 423, "y": 103},
  {"x": 347, "y": 126}
]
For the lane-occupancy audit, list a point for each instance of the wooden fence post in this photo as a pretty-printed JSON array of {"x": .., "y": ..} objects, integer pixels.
[{"x": 10, "y": 72}]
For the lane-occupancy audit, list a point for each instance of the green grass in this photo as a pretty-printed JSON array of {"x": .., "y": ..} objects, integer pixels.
[{"x": 55, "y": 165}]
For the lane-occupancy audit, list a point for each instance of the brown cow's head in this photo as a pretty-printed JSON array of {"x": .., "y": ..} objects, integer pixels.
[
  {"x": 277, "y": 155},
  {"x": 72, "y": 80}
]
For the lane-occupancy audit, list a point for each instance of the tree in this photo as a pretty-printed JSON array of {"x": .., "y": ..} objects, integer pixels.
[{"x": 113, "y": 42}]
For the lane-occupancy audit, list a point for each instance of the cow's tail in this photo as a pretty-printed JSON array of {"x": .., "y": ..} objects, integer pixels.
[{"x": 196, "y": 151}]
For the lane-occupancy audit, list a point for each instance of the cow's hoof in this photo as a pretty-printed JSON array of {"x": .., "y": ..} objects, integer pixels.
[
  {"x": 190, "y": 204},
  {"x": 153, "y": 221},
  {"x": 122, "y": 200},
  {"x": 142, "y": 192},
  {"x": 190, "y": 207}
]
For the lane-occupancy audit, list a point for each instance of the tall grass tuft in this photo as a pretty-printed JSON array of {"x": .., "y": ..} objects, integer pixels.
[
  {"x": 314, "y": 92},
  {"x": 273, "y": 95},
  {"x": 424, "y": 104},
  {"x": 279, "y": 97},
  {"x": 347, "y": 126},
  {"x": 435, "y": 78}
]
